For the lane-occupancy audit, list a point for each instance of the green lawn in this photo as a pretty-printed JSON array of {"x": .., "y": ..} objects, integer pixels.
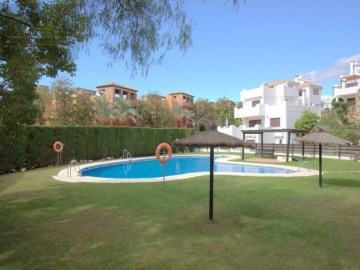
[{"x": 260, "y": 223}]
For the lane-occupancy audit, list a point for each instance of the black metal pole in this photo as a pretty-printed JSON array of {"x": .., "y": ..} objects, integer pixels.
[
  {"x": 211, "y": 195},
  {"x": 288, "y": 147},
  {"x": 320, "y": 165}
]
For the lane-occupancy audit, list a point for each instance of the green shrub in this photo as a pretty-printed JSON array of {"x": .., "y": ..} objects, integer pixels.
[{"x": 83, "y": 143}]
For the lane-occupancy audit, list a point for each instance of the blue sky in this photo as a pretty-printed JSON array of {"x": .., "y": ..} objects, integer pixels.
[{"x": 240, "y": 48}]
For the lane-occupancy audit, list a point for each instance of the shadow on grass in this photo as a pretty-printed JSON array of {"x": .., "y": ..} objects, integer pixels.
[{"x": 342, "y": 182}]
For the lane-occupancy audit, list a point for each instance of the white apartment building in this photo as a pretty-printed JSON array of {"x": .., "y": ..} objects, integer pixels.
[
  {"x": 349, "y": 84},
  {"x": 275, "y": 105}
]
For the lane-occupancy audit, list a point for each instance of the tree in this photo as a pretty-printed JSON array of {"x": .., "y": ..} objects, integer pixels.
[
  {"x": 205, "y": 115},
  {"x": 154, "y": 112},
  {"x": 335, "y": 125},
  {"x": 84, "y": 111},
  {"x": 307, "y": 121},
  {"x": 224, "y": 109},
  {"x": 123, "y": 111},
  {"x": 139, "y": 32},
  {"x": 36, "y": 39},
  {"x": 103, "y": 111},
  {"x": 341, "y": 108},
  {"x": 63, "y": 91},
  {"x": 183, "y": 118},
  {"x": 43, "y": 103},
  {"x": 189, "y": 118}
]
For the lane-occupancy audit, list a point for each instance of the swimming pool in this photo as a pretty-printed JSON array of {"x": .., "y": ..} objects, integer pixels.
[
  {"x": 179, "y": 167},
  {"x": 152, "y": 168}
]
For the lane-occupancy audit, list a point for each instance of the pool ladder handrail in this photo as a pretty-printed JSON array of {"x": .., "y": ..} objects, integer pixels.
[
  {"x": 127, "y": 156},
  {"x": 301, "y": 163},
  {"x": 73, "y": 164}
]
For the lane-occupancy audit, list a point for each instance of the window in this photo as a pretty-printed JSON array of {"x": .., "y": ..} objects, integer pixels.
[
  {"x": 117, "y": 93},
  {"x": 275, "y": 122},
  {"x": 255, "y": 102},
  {"x": 300, "y": 93},
  {"x": 351, "y": 100},
  {"x": 252, "y": 123},
  {"x": 316, "y": 92},
  {"x": 351, "y": 84},
  {"x": 125, "y": 95},
  {"x": 102, "y": 91},
  {"x": 174, "y": 97}
]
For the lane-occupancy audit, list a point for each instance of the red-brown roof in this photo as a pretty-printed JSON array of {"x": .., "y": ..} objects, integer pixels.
[
  {"x": 180, "y": 93},
  {"x": 350, "y": 77},
  {"x": 272, "y": 84},
  {"x": 112, "y": 84},
  {"x": 303, "y": 84}
]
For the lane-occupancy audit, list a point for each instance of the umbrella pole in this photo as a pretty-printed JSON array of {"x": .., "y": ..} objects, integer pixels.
[
  {"x": 211, "y": 195},
  {"x": 320, "y": 165}
]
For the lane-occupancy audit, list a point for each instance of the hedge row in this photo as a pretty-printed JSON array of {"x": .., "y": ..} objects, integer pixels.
[{"x": 82, "y": 143}]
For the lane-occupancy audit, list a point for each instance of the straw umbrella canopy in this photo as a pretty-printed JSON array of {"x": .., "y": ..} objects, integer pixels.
[
  {"x": 211, "y": 139},
  {"x": 321, "y": 137}
]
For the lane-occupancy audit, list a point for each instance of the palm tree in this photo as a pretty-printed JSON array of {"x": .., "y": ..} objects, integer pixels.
[
  {"x": 189, "y": 116},
  {"x": 123, "y": 110},
  {"x": 184, "y": 117},
  {"x": 179, "y": 115},
  {"x": 104, "y": 110}
]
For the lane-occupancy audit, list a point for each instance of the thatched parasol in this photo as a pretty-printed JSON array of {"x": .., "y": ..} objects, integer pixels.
[
  {"x": 211, "y": 139},
  {"x": 322, "y": 138}
]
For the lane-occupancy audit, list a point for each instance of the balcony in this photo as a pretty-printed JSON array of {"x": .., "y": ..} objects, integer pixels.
[
  {"x": 258, "y": 110},
  {"x": 351, "y": 91}
]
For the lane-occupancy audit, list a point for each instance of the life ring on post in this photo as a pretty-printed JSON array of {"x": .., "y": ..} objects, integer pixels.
[
  {"x": 158, "y": 149},
  {"x": 58, "y": 147}
]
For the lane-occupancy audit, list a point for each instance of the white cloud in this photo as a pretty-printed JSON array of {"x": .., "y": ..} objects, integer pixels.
[{"x": 340, "y": 67}]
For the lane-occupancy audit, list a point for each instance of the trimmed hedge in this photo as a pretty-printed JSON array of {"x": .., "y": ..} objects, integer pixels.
[{"x": 84, "y": 143}]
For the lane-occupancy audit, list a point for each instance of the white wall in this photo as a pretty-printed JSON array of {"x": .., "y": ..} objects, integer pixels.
[
  {"x": 232, "y": 131},
  {"x": 270, "y": 137},
  {"x": 282, "y": 101}
]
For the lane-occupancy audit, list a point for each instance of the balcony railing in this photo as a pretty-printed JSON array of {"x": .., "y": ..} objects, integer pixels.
[
  {"x": 258, "y": 110},
  {"x": 346, "y": 91}
]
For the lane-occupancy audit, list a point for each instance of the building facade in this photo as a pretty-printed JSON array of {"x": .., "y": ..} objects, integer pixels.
[
  {"x": 276, "y": 105},
  {"x": 349, "y": 84},
  {"x": 113, "y": 90},
  {"x": 183, "y": 100}
]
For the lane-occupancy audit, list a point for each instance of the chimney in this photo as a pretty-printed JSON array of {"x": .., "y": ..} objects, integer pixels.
[
  {"x": 297, "y": 78},
  {"x": 352, "y": 67}
]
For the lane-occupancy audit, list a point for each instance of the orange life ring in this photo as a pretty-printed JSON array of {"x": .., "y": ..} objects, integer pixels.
[
  {"x": 158, "y": 149},
  {"x": 58, "y": 146}
]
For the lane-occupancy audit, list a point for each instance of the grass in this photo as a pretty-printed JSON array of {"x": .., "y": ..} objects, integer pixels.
[{"x": 260, "y": 222}]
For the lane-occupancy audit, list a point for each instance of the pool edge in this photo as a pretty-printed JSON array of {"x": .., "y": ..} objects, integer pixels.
[{"x": 70, "y": 174}]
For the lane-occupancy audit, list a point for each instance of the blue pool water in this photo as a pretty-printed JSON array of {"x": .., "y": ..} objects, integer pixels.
[{"x": 151, "y": 168}]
